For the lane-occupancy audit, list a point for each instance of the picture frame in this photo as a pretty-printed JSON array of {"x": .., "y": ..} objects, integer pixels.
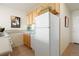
[
  {"x": 15, "y": 22},
  {"x": 66, "y": 22}
]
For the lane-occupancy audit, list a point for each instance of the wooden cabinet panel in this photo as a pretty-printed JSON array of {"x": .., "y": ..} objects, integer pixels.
[
  {"x": 57, "y": 7},
  {"x": 42, "y": 9},
  {"x": 34, "y": 15},
  {"x": 31, "y": 18},
  {"x": 27, "y": 40},
  {"x": 54, "y": 8},
  {"x": 28, "y": 19}
]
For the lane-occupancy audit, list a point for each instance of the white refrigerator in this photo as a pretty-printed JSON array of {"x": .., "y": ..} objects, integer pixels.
[{"x": 46, "y": 42}]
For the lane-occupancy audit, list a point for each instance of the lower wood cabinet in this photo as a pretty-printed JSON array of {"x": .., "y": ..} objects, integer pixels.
[{"x": 27, "y": 40}]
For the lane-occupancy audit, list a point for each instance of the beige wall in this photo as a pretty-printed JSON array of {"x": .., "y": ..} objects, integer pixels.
[
  {"x": 75, "y": 26},
  {"x": 5, "y": 17},
  {"x": 65, "y": 37}
]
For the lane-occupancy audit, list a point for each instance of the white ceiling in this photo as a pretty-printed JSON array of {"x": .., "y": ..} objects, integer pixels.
[
  {"x": 29, "y": 6},
  {"x": 73, "y": 6},
  {"x": 20, "y": 6}
]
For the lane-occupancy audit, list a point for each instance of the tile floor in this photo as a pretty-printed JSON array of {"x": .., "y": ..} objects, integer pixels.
[
  {"x": 72, "y": 50},
  {"x": 22, "y": 51}
]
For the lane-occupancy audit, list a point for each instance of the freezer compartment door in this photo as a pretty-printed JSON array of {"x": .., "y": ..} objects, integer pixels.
[{"x": 42, "y": 20}]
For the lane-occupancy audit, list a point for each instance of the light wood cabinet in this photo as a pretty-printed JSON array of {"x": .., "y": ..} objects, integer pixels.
[
  {"x": 53, "y": 8},
  {"x": 27, "y": 40},
  {"x": 57, "y": 7},
  {"x": 29, "y": 18},
  {"x": 34, "y": 14}
]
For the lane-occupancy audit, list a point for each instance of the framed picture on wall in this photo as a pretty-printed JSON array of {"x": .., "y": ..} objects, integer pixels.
[
  {"x": 66, "y": 22},
  {"x": 15, "y": 22}
]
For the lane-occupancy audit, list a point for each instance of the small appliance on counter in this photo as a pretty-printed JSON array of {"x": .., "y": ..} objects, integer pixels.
[{"x": 2, "y": 29}]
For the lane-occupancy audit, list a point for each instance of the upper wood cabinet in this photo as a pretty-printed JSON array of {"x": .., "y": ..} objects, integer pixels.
[
  {"x": 34, "y": 14},
  {"x": 29, "y": 18},
  {"x": 52, "y": 7},
  {"x": 57, "y": 7}
]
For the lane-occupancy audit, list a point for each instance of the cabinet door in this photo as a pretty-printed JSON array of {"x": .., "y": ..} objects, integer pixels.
[
  {"x": 27, "y": 40},
  {"x": 43, "y": 8},
  {"x": 28, "y": 19},
  {"x": 31, "y": 17},
  {"x": 52, "y": 6},
  {"x": 34, "y": 15},
  {"x": 57, "y": 7}
]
